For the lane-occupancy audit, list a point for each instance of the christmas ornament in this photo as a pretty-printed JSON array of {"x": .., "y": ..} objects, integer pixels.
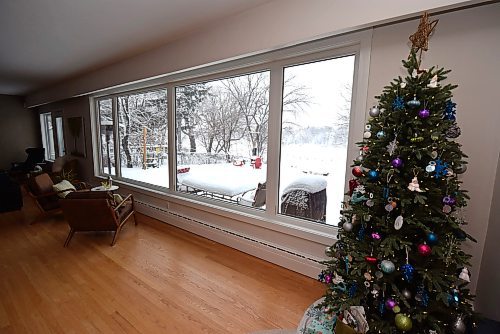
[
  {"x": 458, "y": 326},
  {"x": 387, "y": 266},
  {"x": 432, "y": 238},
  {"x": 373, "y": 175},
  {"x": 365, "y": 149},
  {"x": 461, "y": 168},
  {"x": 449, "y": 200},
  {"x": 367, "y": 134},
  {"x": 422, "y": 297},
  {"x": 397, "y": 162},
  {"x": 449, "y": 110},
  {"x": 353, "y": 183},
  {"x": 393, "y": 145},
  {"x": 417, "y": 139},
  {"x": 379, "y": 274},
  {"x": 406, "y": 293},
  {"x": 408, "y": 271},
  {"x": 414, "y": 103},
  {"x": 398, "y": 103},
  {"x": 440, "y": 169},
  {"x": 431, "y": 167},
  {"x": 402, "y": 85},
  {"x": 453, "y": 131},
  {"x": 424, "y": 249},
  {"x": 376, "y": 236},
  {"x": 424, "y": 113},
  {"x": 446, "y": 209},
  {"x": 403, "y": 322},
  {"x": 390, "y": 303},
  {"x": 374, "y": 111},
  {"x": 434, "y": 82},
  {"x": 398, "y": 223},
  {"x": 371, "y": 259},
  {"x": 454, "y": 298},
  {"x": 414, "y": 185},
  {"x": 347, "y": 226},
  {"x": 357, "y": 171},
  {"x": 396, "y": 309},
  {"x": 369, "y": 203},
  {"x": 464, "y": 275},
  {"x": 360, "y": 158},
  {"x": 380, "y": 134}
]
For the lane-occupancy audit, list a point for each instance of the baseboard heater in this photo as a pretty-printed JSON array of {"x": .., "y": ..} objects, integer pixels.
[{"x": 312, "y": 265}]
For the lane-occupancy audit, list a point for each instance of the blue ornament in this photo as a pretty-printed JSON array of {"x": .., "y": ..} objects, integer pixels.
[
  {"x": 432, "y": 238},
  {"x": 449, "y": 110},
  {"x": 352, "y": 290},
  {"x": 380, "y": 134},
  {"x": 414, "y": 103},
  {"x": 422, "y": 297},
  {"x": 381, "y": 308},
  {"x": 373, "y": 175},
  {"x": 321, "y": 276},
  {"x": 398, "y": 103},
  {"x": 408, "y": 271},
  {"x": 441, "y": 169},
  {"x": 361, "y": 232}
]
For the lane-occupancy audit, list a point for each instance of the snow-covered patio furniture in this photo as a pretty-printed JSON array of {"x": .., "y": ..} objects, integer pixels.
[
  {"x": 305, "y": 197},
  {"x": 225, "y": 183},
  {"x": 255, "y": 198}
]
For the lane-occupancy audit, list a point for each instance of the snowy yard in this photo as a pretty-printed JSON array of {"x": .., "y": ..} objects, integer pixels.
[{"x": 227, "y": 179}]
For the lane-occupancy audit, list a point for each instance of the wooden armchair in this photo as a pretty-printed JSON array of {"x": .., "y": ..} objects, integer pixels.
[
  {"x": 41, "y": 189},
  {"x": 96, "y": 211}
]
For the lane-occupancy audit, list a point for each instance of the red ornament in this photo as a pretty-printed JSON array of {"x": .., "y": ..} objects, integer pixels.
[
  {"x": 371, "y": 259},
  {"x": 424, "y": 249},
  {"x": 352, "y": 185},
  {"x": 357, "y": 171},
  {"x": 365, "y": 149}
]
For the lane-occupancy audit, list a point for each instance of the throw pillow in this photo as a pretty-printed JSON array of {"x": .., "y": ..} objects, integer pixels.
[{"x": 63, "y": 185}]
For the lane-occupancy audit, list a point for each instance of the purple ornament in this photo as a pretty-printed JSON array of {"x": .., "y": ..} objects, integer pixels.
[
  {"x": 397, "y": 163},
  {"x": 448, "y": 200},
  {"x": 376, "y": 235},
  {"x": 390, "y": 303},
  {"x": 424, "y": 113}
]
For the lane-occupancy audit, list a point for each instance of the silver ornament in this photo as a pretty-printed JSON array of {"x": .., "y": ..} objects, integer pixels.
[
  {"x": 461, "y": 169},
  {"x": 359, "y": 158},
  {"x": 387, "y": 266},
  {"x": 398, "y": 223},
  {"x": 458, "y": 326},
  {"x": 406, "y": 293},
  {"x": 374, "y": 111},
  {"x": 367, "y": 134},
  {"x": 347, "y": 227}
]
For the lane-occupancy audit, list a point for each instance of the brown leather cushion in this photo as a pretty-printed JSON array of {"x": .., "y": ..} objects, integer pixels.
[
  {"x": 42, "y": 184},
  {"x": 87, "y": 194}
]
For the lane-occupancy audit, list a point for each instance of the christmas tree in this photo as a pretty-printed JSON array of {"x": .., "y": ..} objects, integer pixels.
[{"x": 398, "y": 252}]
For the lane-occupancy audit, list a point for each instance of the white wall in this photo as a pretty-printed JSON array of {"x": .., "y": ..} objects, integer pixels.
[{"x": 275, "y": 24}]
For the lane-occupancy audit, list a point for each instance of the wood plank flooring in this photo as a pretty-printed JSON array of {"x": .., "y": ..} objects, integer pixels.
[{"x": 157, "y": 279}]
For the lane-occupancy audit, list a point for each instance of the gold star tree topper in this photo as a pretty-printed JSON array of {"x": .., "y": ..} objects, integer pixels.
[{"x": 420, "y": 39}]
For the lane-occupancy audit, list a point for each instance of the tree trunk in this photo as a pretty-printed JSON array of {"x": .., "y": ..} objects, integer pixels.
[
  {"x": 126, "y": 150},
  {"x": 192, "y": 143}
]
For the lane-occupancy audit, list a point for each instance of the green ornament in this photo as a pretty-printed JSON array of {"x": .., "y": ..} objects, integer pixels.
[{"x": 403, "y": 322}]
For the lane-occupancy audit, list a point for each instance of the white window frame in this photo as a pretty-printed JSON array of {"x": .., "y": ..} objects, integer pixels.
[{"x": 358, "y": 44}]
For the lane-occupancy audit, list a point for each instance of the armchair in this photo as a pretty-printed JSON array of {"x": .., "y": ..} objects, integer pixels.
[
  {"x": 96, "y": 211},
  {"x": 41, "y": 189}
]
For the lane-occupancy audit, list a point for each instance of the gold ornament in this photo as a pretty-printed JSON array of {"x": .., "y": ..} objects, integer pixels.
[{"x": 403, "y": 322}]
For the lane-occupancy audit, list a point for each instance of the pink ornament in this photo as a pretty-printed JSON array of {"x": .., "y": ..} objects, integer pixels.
[
  {"x": 328, "y": 279},
  {"x": 424, "y": 249},
  {"x": 390, "y": 303},
  {"x": 376, "y": 236}
]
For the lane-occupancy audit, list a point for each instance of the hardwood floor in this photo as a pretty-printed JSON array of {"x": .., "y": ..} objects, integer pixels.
[{"x": 157, "y": 279}]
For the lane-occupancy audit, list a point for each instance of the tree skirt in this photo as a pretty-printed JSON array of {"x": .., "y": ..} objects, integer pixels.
[{"x": 277, "y": 331}]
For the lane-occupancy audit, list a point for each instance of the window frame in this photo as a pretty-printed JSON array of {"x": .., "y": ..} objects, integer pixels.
[{"x": 357, "y": 44}]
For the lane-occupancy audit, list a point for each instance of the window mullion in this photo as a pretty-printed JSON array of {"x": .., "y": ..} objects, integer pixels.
[
  {"x": 274, "y": 133},
  {"x": 172, "y": 160},
  {"x": 116, "y": 135}
]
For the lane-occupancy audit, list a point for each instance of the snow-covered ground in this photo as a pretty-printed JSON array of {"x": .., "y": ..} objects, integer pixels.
[{"x": 297, "y": 161}]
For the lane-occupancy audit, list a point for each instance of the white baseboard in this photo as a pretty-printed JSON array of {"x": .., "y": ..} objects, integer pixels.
[{"x": 278, "y": 254}]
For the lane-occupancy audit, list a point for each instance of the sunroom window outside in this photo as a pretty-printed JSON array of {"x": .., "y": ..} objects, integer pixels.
[
  {"x": 222, "y": 138},
  {"x": 106, "y": 128},
  {"x": 143, "y": 137},
  {"x": 314, "y": 139},
  {"x": 47, "y": 135}
]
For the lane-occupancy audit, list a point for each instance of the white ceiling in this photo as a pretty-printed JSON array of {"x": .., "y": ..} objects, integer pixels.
[{"x": 46, "y": 41}]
